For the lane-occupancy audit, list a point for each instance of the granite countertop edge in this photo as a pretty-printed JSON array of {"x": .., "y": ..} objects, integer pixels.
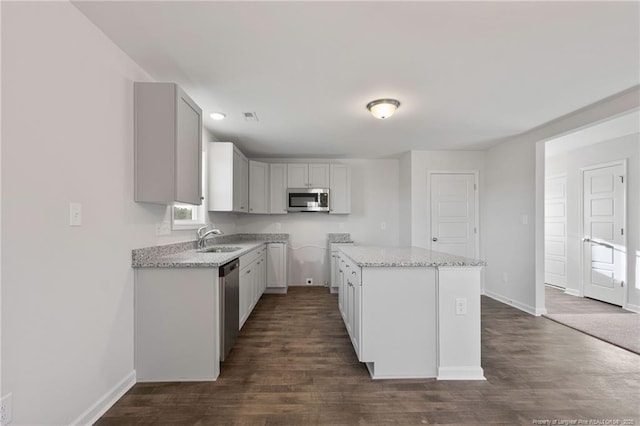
[
  {"x": 185, "y": 254},
  {"x": 443, "y": 259}
]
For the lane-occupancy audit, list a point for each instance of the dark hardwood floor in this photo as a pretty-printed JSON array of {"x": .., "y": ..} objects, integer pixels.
[{"x": 294, "y": 364}]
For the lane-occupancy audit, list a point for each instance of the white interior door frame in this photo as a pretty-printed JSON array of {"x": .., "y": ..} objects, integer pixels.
[
  {"x": 623, "y": 163},
  {"x": 475, "y": 174}
]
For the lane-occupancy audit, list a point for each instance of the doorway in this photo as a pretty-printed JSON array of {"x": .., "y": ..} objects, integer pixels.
[{"x": 454, "y": 213}]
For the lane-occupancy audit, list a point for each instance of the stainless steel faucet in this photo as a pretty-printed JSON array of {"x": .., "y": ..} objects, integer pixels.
[{"x": 203, "y": 234}]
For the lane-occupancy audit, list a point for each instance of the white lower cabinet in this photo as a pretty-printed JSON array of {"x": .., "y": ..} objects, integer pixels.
[
  {"x": 276, "y": 269},
  {"x": 350, "y": 301},
  {"x": 253, "y": 278},
  {"x": 334, "y": 249}
]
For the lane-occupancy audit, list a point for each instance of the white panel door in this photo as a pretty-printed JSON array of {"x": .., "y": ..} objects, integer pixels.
[
  {"x": 603, "y": 231},
  {"x": 555, "y": 231},
  {"x": 453, "y": 214}
]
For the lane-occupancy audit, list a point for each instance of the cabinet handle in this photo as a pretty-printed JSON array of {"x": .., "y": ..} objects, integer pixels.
[
  {"x": 347, "y": 266},
  {"x": 249, "y": 271},
  {"x": 353, "y": 272}
]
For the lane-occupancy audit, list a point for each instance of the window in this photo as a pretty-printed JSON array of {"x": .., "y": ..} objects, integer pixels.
[{"x": 187, "y": 216}]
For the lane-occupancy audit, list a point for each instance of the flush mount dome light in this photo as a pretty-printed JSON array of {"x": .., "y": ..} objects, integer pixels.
[
  {"x": 217, "y": 115},
  {"x": 383, "y": 108}
]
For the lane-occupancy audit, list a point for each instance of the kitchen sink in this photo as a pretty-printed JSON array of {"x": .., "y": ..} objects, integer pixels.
[{"x": 219, "y": 249}]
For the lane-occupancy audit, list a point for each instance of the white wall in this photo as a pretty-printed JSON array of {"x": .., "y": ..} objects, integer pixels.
[
  {"x": 67, "y": 135},
  {"x": 374, "y": 199},
  {"x": 627, "y": 147},
  {"x": 514, "y": 187}
]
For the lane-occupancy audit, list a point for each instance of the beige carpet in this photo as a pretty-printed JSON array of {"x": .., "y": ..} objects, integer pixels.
[{"x": 622, "y": 330}]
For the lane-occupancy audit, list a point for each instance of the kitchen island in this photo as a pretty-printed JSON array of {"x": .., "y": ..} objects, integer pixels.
[{"x": 412, "y": 312}]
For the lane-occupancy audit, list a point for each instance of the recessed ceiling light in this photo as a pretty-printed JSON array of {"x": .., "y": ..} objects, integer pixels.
[
  {"x": 217, "y": 115},
  {"x": 383, "y": 108}
]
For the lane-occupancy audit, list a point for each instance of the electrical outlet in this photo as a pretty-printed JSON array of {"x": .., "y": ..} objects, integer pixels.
[
  {"x": 6, "y": 409},
  {"x": 461, "y": 306},
  {"x": 383, "y": 225},
  {"x": 278, "y": 225},
  {"x": 309, "y": 281},
  {"x": 505, "y": 277},
  {"x": 341, "y": 225}
]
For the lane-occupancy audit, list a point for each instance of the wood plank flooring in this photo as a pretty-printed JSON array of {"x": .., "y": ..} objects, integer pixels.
[{"x": 293, "y": 364}]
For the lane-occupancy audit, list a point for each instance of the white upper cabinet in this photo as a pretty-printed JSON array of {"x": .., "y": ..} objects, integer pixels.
[
  {"x": 228, "y": 178},
  {"x": 318, "y": 175},
  {"x": 258, "y": 187},
  {"x": 277, "y": 188},
  {"x": 340, "y": 189},
  {"x": 297, "y": 175},
  {"x": 304, "y": 175},
  {"x": 168, "y": 145}
]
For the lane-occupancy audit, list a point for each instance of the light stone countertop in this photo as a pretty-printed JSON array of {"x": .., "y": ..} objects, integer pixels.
[
  {"x": 185, "y": 255},
  {"x": 365, "y": 256}
]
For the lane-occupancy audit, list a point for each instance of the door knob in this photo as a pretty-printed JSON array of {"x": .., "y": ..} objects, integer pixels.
[{"x": 434, "y": 239}]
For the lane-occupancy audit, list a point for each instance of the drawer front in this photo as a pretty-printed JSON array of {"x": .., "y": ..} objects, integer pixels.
[{"x": 247, "y": 259}]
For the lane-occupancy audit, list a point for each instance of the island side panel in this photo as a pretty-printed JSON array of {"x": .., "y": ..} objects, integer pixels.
[
  {"x": 399, "y": 322},
  {"x": 176, "y": 324},
  {"x": 459, "y": 332}
]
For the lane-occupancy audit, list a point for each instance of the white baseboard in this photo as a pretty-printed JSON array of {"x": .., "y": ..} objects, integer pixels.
[
  {"x": 106, "y": 401},
  {"x": 633, "y": 308},
  {"x": 572, "y": 292},
  {"x": 274, "y": 290},
  {"x": 523, "y": 307},
  {"x": 460, "y": 373}
]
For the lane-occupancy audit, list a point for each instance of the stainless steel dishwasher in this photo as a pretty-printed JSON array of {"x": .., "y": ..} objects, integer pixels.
[{"x": 229, "y": 306}]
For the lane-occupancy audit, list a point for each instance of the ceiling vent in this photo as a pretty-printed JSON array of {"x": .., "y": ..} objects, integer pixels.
[{"x": 250, "y": 116}]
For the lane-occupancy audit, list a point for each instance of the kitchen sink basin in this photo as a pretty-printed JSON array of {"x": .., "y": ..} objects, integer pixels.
[{"x": 219, "y": 249}]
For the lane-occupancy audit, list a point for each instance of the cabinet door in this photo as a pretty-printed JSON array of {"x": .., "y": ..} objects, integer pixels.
[
  {"x": 297, "y": 175},
  {"x": 276, "y": 265},
  {"x": 341, "y": 295},
  {"x": 340, "y": 189},
  {"x": 244, "y": 185},
  {"x": 349, "y": 302},
  {"x": 355, "y": 311},
  {"x": 319, "y": 175},
  {"x": 188, "y": 150},
  {"x": 245, "y": 294},
  {"x": 258, "y": 187},
  {"x": 278, "y": 188},
  {"x": 240, "y": 182}
]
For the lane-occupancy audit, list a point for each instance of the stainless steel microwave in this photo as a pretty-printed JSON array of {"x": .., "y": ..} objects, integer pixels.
[{"x": 308, "y": 199}]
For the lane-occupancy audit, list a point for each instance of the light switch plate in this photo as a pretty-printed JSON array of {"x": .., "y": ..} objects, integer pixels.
[{"x": 75, "y": 214}]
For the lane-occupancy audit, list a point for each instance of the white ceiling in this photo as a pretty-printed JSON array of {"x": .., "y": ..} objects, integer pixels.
[{"x": 466, "y": 73}]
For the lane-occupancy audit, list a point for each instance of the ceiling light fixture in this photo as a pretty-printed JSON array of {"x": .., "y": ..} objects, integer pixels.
[
  {"x": 217, "y": 115},
  {"x": 383, "y": 108}
]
